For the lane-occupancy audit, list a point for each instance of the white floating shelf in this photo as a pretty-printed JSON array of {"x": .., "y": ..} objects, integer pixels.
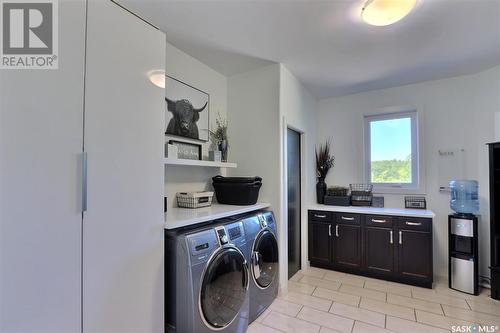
[{"x": 184, "y": 162}]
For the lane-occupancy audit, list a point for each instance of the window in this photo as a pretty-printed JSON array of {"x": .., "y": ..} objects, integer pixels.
[{"x": 391, "y": 150}]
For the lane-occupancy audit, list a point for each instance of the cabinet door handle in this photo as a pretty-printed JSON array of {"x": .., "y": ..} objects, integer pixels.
[
  {"x": 320, "y": 216},
  {"x": 400, "y": 237},
  {"x": 330, "y": 230},
  {"x": 391, "y": 241},
  {"x": 347, "y": 218},
  {"x": 378, "y": 221},
  {"x": 337, "y": 230},
  {"x": 84, "y": 182},
  {"x": 413, "y": 223}
]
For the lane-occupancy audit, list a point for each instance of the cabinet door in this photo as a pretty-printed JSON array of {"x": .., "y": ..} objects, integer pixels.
[
  {"x": 41, "y": 138},
  {"x": 347, "y": 243},
  {"x": 319, "y": 242},
  {"x": 124, "y": 137},
  {"x": 415, "y": 254},
  {"x": 379, "y": 250}
]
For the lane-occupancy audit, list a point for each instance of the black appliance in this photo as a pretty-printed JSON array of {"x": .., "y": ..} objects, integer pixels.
[
  {"x": 494, "y": 151},
  {"x": 463, "y": 273}
]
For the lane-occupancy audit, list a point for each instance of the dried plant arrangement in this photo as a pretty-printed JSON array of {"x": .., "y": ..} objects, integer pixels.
[{"x": 324, "y": 159}]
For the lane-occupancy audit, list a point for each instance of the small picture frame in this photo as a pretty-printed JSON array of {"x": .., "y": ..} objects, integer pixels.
[{"x": 187, "y": 150}]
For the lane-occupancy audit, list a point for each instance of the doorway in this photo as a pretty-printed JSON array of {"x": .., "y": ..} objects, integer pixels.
[{"x": 294, "y": 201}]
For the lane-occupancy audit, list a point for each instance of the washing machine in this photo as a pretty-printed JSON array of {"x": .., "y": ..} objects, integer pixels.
[
  {"x": 262, "y": 241},
  {"x": 207, "y": 279}
]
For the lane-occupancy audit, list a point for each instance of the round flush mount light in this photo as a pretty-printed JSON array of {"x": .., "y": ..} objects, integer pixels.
[
  {"x": 386, "y": 12},
  {"x": 157, "y": 77}
]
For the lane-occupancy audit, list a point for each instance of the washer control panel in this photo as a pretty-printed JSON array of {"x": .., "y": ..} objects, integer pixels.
[{"x": 221, "y": 234}]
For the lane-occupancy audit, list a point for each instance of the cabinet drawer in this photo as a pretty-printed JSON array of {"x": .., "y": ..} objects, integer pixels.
[
  {"x": 379, "y": 221},
  {"x": 348, "y": 218},
  {"x": 316, "y": 215},
  {"x": 412, "y": 223}
]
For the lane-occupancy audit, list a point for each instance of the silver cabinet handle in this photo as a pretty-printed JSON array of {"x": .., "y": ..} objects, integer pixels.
[
  {"x": 413, "y": 223},
  {"x": 330, "y": 230},
  {"x": 320, "y": 216},
  {"x": 84, "y": 182},
  {"x": 337, "y": 230},
  {"x": 400, "y": 237},
  {"x": 347, "y": 218},
  {"x": 378, "y": 221},
  {"x": 391, "y": 240}
]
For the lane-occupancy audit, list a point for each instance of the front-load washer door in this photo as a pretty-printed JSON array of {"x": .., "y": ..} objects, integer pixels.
[
  {"x": 224, "y": 288},
  {"x": 264, "y": 259}
]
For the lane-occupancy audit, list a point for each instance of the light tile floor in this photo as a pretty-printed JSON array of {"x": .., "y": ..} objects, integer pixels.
[{"x": 323, "y": 301}]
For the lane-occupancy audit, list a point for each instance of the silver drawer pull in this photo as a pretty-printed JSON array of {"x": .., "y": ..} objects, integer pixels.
[
  {"x": 320, "y": 216},
  {"x": 337, "y": 231},
  {"x": 391, "y": 241},
  {"x": 413, "y": 223},
  {"x": 330, "y": 230},
  {"x": 347, "y": 218},
  {"x": 400, "y": 237},
  {"x": 378, "y": 221}
]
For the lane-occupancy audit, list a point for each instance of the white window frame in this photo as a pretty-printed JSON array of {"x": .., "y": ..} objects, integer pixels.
[{"x": 415, "y": 185}]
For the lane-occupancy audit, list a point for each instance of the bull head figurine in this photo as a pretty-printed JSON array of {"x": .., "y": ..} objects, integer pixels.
[{"x": 184, "y": 118}]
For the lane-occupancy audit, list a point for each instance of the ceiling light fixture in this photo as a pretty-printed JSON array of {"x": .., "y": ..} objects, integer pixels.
[
  {"x": 386, "y": 12},
  {"x": 157, "y": 77}
]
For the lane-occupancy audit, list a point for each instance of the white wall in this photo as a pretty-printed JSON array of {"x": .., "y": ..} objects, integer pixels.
[
  {"x": 254, "y": 135},
  {"x": 262, "y": 104},
  {"x": 253, "y": 98},
  {"x": 193, "y": 72},
  {"x": 457, "y": 113},
  {"x": 298, "y": 111}
]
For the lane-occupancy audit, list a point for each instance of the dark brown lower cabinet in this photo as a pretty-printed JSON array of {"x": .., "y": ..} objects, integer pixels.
[
  {"x": 319, "y": 242},
  {"x": 392, "y": 248},
  {"x": 414, "y": 251},
  {"x": 347, "y": 245},
  {"x": 379, "y": 250}
]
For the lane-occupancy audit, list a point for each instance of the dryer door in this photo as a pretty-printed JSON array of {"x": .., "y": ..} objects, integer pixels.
[
  {"x": 265, "y": 259},
  {"x": 224, "y": 288}
]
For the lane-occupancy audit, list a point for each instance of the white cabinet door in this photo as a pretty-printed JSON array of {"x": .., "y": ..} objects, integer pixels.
[
  {"x": 41, "y": 137},
  {"x": 124, "y": 121}
]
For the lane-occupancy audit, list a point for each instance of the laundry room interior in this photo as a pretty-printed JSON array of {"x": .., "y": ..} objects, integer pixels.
[{"x": 250, "y": 166}]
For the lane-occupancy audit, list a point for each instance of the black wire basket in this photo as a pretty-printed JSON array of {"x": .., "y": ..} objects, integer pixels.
[{"x": 361, "y": 194}]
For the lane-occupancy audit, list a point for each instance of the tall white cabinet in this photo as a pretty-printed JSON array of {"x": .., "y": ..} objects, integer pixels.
[
  {"x": 123, "y": 227},
  {"x": 41, "y": 138},
  {"x": 100, "y": 271}
]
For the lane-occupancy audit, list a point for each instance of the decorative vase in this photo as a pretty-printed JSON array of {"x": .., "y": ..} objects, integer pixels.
[
  {"x": 224, "y": 147},
  {"x": 320, "y": 190}
]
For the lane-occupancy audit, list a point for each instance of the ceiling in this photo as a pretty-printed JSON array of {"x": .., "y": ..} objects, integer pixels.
[{"x": 326, "y": 45}]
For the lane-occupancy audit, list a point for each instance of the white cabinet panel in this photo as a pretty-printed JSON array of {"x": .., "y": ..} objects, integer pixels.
[
  {"x": 124, "y": 121},
  {"x": 41, "y": 137}
]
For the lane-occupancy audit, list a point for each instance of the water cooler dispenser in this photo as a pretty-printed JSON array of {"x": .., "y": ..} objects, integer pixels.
[{"x": 463, "y": 238}]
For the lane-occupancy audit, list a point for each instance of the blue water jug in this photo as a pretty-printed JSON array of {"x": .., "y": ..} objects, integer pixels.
[{"x": 464, "y": 196}]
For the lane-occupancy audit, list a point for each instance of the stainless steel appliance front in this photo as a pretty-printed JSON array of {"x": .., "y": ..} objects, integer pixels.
[
  {"x": 462, "y": 227},
  {"x": 462, "y": 274}
]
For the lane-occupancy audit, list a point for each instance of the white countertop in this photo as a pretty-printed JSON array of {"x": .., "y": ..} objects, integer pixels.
[
  {"x": 375, "y": 210},
  {"x": 182, "y": 217}
]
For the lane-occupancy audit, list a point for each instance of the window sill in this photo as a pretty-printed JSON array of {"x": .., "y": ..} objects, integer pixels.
[{"x": 398, "y": 190}]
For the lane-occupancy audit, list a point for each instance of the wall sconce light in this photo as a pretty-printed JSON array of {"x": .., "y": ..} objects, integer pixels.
[{"x": 157, "y": 77}]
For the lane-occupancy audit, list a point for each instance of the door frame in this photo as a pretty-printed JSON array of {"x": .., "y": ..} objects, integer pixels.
[{"x": 283, "y": 235}]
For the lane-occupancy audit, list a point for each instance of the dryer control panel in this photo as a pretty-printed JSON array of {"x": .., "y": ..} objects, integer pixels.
[{"x": 262, "y": 221}]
